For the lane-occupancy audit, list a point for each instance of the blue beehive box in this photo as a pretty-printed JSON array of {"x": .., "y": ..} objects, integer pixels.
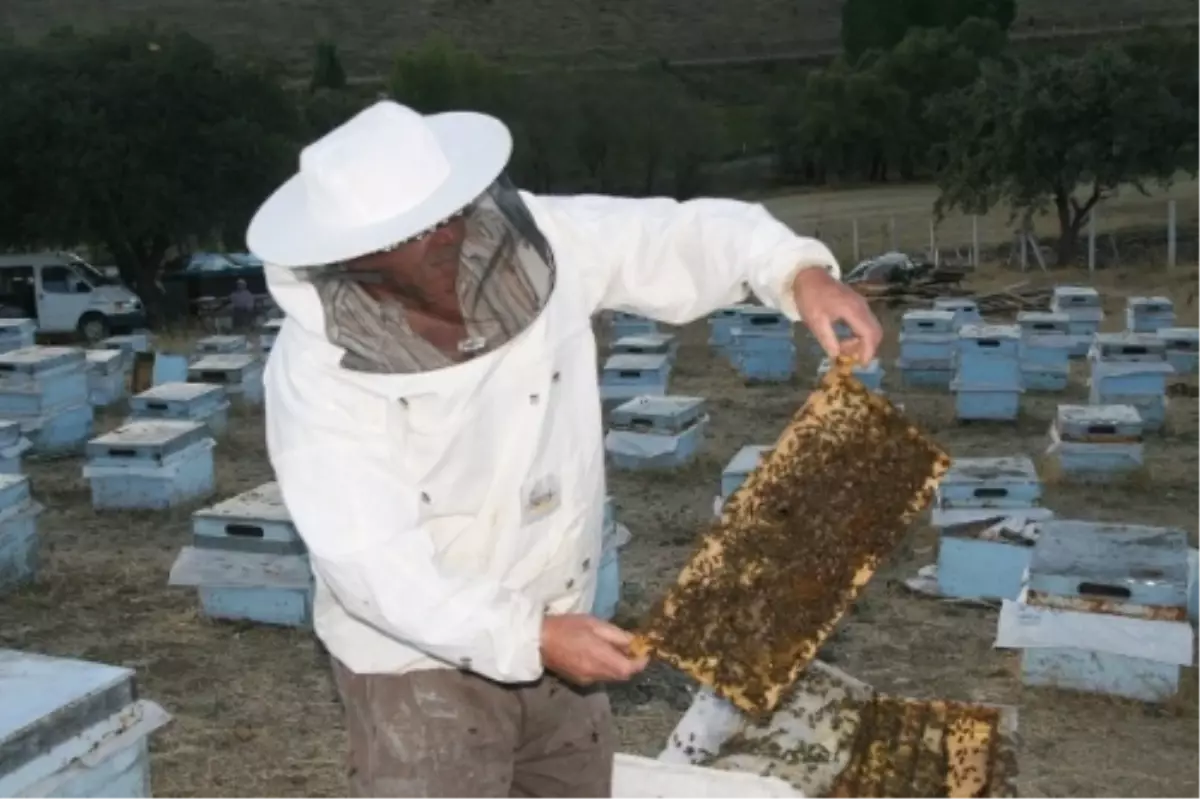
[
  {"x": 928, "y": 321},
  {"x": 926, "y": 374},
  {"x": 37, "y": 380},
  {"x": 1148, "y": 314},
  {"x": 169, "y": 368},
  {"x": 930, "y": 350},
  {"x": 722, "y": 322},
  {"x": 194, "y": 402},
  {"x": 240, "y": 374},
  {"x": 1046, "y": 361},
  {"x": 61, "y": 431},
  {"x": 739, "y": 467},
  {"x": 107, "y": 376},
  {"x": 985, "y": 403},
  {"x": 984, "y": 555},
  {"x": 1096, "y": 443},
  {"x": 870, "y": 375},
  {"x": 222, "y": 345},
  {"x": 18, "y": 532},
  {"x": 73, "y": 728},
  {"x": 13, "y": 444},
  {"x": 1082, "y": 306},
  {"x": 16, "y": 334},
  {"x": 655, "y": 432},
  {"x": 150, "y": 464},
  {"x": 649, "y": 344},
  {"x": 1182, "y": 348},
  {"x": 763, "y": 354},
  {"x": 624, "y": 377},
  {"x": 1142, "y": 385},
  {"x": 1127, "y": 347},
  {"x": 965, "y": 310},
  {"x": 1115, "y": 599},
  {"x": 988, "y": 355},
  {"x": 248, "y": 561},
  {"x": 1009, "y": 482},
  {"x": 141, "y": 341},
  {"x": 1043, "y": 323},
  {"x": 840, "y": 329},
  {"x": 608, "y": 575},
  {"x": 626, "y": 324}
]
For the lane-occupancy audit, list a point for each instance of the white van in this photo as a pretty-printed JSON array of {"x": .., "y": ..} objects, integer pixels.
[{"x": 63, "y": 293}]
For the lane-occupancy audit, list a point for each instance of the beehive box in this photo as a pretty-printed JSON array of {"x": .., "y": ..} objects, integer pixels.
[
  {"x": 1010, "y": 481},
  {"x": 648, "y": 344},
  {"x": 988, "y": 356},
  {"x": 985, "y": 559},
  {"x": 763, "y": 354},
  {"x": 626, "y": 324},
  {"x": 13, "y": 444},
  {"x": 985, "y": 403},
  {"x": 722, "y": 322},
  {"x": 248, "y": 562},
  {"x": 837, "y": 736},
  {"x": 193, "y": 402},
  {"x": 624, "y": 377},
  {"x": 1096, "y": 442},
  {"x": 1043, "y": 323},
  {"x": 150, "y": 464},
  {"x": 1142, "y": 385},
  {"x": 655, "y": 432},
  {"x": 129, "y": 343},
  {"x": 1182, "y": 348},
  {"x": 927, "y": 321},
  {"x": 1127, "y": 347},
  {"x": 37, "y": 381},
  {"x": 16, "y": 334},
  {"x": 107, "y": 378},
  {"x": 965, "y": 310},
  {"x": 73, "y": 728},
  {"x": 240, "y": 374},
  {"x": 222, "y": 344},
  {"x": 770, "y": 581},
  {"x": 18, "y": 532},
  {"x": 1148, "y": 314},
  {"x": 60, "y": 431},
  {"x": 746, "y": 460}
]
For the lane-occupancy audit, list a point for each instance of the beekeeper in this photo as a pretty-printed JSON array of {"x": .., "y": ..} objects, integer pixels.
[{"x": 433, "y": 420}]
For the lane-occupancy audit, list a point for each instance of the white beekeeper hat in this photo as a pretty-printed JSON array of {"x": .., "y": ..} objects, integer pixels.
[{"x": 386, "y": 175}]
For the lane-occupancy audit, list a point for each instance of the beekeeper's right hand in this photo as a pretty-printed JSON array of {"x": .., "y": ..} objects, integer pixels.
[{"x": 584, "y": 649}]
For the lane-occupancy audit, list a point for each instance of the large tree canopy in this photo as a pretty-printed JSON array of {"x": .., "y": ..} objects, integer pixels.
[{"x": 882, "y": 24}]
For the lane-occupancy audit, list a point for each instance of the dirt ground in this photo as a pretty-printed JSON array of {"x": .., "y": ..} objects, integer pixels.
[{"x": 255, "y": 712}]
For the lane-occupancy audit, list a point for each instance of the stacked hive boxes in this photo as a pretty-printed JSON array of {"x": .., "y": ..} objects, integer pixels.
[
  {"x": 239, "y": 373},
  {"x": 927, "y": 344},
  {"x": 1148, "y": 314},
  {"x": 1096, "y": 442},
  {"x": 1082, "y": 306},
  {"x": 107, "y": 376},
  {"x": 647, "y": 344},
  {"x": 987, "y": 378},
  {"x": 46, "y": 390},
  {"x": 73, "y": 728},
  {"x": 1104, "y": 610},
  {"x": 721, "y": 324},
  {"x": 627, "y": 324},
  {"x": 1130, "y": 369},
  {"x": 16, "y": 334},
  {"x": 761, "y": 346},
  {"x": 1046, "y": 347},
  {"x": 18, "y": 533},
  {"x": 150, "y": 464},
  {"x": 193, "y": 402},
  {"x": 248, "y": 562},
  {"x": 1181, "y": 346},
  {"x": 983, "y": 510},
  {"x": 965, "y": 310},
  {"x": 655, "y": 432},
  {"x": 624, "y": 377}
]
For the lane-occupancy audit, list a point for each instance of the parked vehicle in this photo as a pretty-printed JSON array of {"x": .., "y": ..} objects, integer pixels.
[{"x": 63, "y": 293}]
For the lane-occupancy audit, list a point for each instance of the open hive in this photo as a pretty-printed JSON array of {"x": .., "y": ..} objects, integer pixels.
[
  {"x": 836, "y": 736},
  {"x": 795, "y": 544}
]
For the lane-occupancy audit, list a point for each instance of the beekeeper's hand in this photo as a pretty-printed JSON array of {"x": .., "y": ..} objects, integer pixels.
[
  {"x": 584, "y": 650},
  {"x": 824, "y": 300}
]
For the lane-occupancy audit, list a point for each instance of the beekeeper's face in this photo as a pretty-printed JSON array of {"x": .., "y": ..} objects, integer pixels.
[{"x": 423, "y": 271}]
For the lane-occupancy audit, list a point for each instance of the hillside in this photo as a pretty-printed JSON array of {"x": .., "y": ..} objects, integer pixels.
[{"x": 531, "y": 32}]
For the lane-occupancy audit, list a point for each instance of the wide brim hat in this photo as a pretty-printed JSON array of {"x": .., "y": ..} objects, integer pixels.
[{"x": 385, "y": 176}]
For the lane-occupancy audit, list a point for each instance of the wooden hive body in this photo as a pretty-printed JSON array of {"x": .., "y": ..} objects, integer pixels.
[{"x": 795, "y": 544}]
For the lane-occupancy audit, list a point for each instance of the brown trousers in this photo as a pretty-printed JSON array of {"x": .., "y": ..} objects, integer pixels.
[{"x": 444, "y": 732}]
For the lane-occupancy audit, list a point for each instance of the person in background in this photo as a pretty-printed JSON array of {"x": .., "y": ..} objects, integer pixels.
[
  {"x": 433, "y": 420},
  {"x": 241, "y": 303}
]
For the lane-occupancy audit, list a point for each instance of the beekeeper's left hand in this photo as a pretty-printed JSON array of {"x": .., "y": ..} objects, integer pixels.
[{"x": 824, "y": 300}]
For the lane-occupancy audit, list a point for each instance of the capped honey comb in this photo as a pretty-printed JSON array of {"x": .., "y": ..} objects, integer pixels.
[
  {"x": 907, "y": 747},
  {"x": 795, "y": 545}
]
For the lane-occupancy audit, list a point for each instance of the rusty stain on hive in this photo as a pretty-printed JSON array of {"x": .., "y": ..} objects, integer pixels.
[{"x": 795, "y": 544}]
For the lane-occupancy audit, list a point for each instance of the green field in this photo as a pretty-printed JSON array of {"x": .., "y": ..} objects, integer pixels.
[{"x": 530, "y": 32}]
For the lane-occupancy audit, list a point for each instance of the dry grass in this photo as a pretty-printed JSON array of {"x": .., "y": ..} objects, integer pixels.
[
  {"x": 255, "y": 712},
  {"x": 370, "y": 32}
]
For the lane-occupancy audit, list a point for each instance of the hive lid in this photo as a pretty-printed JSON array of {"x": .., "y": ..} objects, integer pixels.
[
  {"x": 35, "y": 360},
  {"x": 747, "y": 459},
  {"x": 954, "y": 304},
  {"x": 104, "y": 357},
  {"x": 1150, "y": 303},
  {"x": 1127, "y": 338},
  {"x": 777, "y": 571},
  {"x": 635, "y": 361},
  {"x": 179, "y": 392},
  {"x": 1007, "y": 469},
  {"x": 1042, "y": 317},
  {"x": 223, "y": 362},
  {"x": 985, "y": 331},
  {"x": 1179, "y": 333},
  {"x": 1122, "y": 368},
  {"x": 928, "y": 315},
  {"x": 645, "y": 340},
  {"x": 1098, "y": 414},
  {"x": 262, "y": 503},
  {"x": 222, "y": 342},
  {"x": 156, "y": 437},
  {"x": 1094, "y": 550},
  {"x": 48, "y": 700},
  {"x": 1076, "y": 292}
]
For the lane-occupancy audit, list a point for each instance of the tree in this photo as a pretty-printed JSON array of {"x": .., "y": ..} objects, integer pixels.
[
  {"x": 882, "y": 24},
  {"x": 1063, "y": 133},
  {"x": 327, "y": 69},
  {"x": 139, "y": 141},
  {"x": 441, "y": 77}
]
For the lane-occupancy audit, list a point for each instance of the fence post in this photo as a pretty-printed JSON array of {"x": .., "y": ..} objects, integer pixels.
[
  {"x": 1092, "y": 241},
  {"x": 1171, "y": 234},
  {"x": 892, "y": 233},
  {"x": 854, "y": 234},
  {"x": 933, "y": 250},
  {"x": 975, "y": 240}
]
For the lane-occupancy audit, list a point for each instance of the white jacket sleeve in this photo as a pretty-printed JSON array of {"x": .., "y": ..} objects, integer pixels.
[
  {"x": 360, "y": 525},
  {"x": 677, "y": 261}
]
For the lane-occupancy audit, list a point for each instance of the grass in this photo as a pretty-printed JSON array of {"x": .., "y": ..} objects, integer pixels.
[{"x": 529, "y": 32}]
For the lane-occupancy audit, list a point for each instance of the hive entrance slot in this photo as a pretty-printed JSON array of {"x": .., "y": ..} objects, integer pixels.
[
  {"x": 1109, "y": 591},
  {"x": 244, "y": 531},
  {"x": 629, "y": 373},
  {"x": 156, "y": 406},
  {"x": 122, "y": 453},
  {"x": 1043, "y": 326},
  {"x": 989, "y": 342},
  {"x": 924, "y": 324},
  {"x": 990, "y": 493},
  {"x": 761, "y": 322},
  {"x": 212, "y": 376},
  {"x": 1135, "y": 350},
  {"x": 641, "y": 424},
  {"x": 1102, "y": 429}
]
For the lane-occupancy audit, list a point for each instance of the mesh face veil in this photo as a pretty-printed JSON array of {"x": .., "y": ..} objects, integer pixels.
[{"x": 505, "y": 276}]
